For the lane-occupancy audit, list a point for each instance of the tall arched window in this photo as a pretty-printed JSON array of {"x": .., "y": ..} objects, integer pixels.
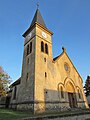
[
  {"x": 42, "y": 46},
  {"x": 27, "y": 77},
  {"x": 46, "y": 48},
  {"x": 15, "y": 90},
  {"x": 27, "y": 49},
  {"x": 30, "y": 47},
  {"x": 62, "y": 94},
  {"x": 79, "y": 94},
  {"x": 45, "y": 74}
]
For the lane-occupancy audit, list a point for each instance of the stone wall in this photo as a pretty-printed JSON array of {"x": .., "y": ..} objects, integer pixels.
[
  {"x": 2, "y": 102},
  {"x": 25, "y": 107}
]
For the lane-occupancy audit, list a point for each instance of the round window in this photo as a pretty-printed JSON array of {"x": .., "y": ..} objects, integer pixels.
[{"x": 66, "y": 66}]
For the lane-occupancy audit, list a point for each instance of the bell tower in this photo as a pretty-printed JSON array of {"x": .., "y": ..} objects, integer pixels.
[{"x": 37, "y": 54}]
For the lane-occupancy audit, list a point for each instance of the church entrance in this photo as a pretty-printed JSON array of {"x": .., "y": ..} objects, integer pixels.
[
  {"x": 72, "y": 100},
  {"x": 70, "y": 88}
]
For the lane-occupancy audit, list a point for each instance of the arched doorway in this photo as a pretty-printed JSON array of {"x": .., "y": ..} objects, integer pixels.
[{"x": 71, "y": 94}]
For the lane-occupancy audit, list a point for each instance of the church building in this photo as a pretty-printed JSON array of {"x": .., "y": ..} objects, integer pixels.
[{"x": 46, "y": 83}]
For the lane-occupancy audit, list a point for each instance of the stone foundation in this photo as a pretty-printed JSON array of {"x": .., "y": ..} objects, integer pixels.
[
  {"x": 81, "y": 104},
  {"x": 2, "y": 105},
  {"x": 40, "y": 107},
  {"x": 51, "y": 107},
  {"x": 2, "y": 102},
  {"x": 25, "y": 107}
]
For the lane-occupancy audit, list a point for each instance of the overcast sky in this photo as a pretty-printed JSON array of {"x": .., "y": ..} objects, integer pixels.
[{"x": 69, "y": 20}]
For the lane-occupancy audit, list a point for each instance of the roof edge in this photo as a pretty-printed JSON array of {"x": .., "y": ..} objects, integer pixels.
[
  {"x": 31, "y": 27},
  {"x": 64, "y": 51}
]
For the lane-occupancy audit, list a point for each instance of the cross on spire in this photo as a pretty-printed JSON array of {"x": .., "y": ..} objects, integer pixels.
[{"x": 37, "y": 5}]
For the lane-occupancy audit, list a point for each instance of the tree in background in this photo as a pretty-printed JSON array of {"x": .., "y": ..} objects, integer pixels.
[
  {"x": 4, "y": 82},
  {"x": 87, "y": 86}
]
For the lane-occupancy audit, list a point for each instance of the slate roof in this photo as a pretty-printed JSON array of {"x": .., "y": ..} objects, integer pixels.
[
  {"x": 38, "y": 18},
  {"x": 16, "y": 82}
]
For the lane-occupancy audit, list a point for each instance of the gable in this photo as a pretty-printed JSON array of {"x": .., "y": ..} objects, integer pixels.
[{"x": 64, "y": 62}]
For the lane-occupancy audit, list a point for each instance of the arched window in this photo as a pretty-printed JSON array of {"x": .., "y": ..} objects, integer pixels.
[
  {"x": 15, "y": 90},
  {"x": 46, "y": 48},
  {"x": 42, "y": 46},
  {"x": 62, "y": 94},
  {"x": 27, "y": 49},
  {"x": 79, "y": 94},
  {"x": 45, "y": 74},
  {"x": 30, "y": 47},
  {"x": 26, "y": 77},
  {"x": 44, "y": 59}
]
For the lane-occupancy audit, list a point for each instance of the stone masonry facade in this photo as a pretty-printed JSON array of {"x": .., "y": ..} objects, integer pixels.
[{"x": 46, "y": 83}]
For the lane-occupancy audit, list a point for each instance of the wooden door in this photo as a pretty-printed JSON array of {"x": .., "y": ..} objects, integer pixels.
[{"x": 72, "y": 100}]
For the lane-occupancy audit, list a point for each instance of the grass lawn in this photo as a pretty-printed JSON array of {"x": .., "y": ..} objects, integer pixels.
[{"x": 8, "y": 114}]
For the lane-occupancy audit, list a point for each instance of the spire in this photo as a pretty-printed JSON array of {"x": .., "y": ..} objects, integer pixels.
[{"x": 38, "y": 18}]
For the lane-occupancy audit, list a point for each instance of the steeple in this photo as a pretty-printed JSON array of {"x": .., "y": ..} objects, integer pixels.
[{"x": 38, "y": 18}]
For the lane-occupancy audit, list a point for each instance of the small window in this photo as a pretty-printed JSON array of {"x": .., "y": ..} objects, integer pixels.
[
  {"x": 46, "y": 48},
  {"x": 67, "y": 67},
  {"x": 44, "y": 59},
  {"x": 15, "y": 90},
  {"x": 42, "y": 46},
  {"x": 62, "y": 94},
  {"x": 27, "y": 49},
  {"x": 30, "y": 47},
  {"x": 26, "y": 77},
  {"x": 46, "y": 92},
  {"x": 45, "y": 74},
  {"x": 79, "y": 96}
]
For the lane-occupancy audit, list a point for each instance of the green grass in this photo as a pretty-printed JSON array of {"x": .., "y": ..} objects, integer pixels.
[{"x": 8, "y": 114}]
